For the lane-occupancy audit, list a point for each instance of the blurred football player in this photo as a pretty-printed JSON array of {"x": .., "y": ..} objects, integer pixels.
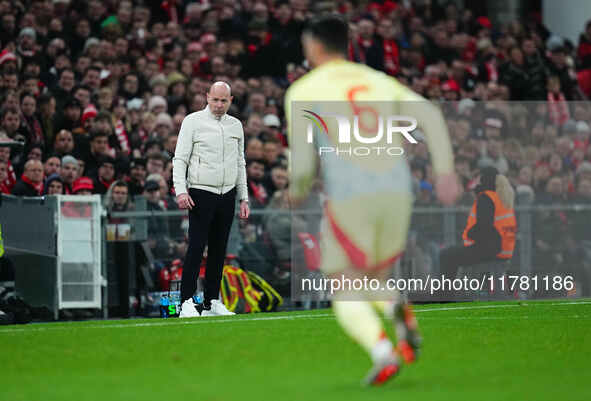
[{"x": 369, "y": 197}]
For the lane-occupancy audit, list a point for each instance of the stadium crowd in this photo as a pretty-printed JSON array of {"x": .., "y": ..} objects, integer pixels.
[{"x": 97, "y": 90}]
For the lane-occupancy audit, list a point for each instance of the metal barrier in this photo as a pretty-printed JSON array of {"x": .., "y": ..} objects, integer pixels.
[
  {"x": 553, "y": 240},
  {"x": 257, "y": 244},
  {"x": 55, "y": 243}
]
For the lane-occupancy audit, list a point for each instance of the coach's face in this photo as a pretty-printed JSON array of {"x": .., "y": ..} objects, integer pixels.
[{"x": 219, "y": 98}]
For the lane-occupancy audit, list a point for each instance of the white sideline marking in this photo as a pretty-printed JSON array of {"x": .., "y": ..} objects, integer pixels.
[{"x": 178, "y": 322}]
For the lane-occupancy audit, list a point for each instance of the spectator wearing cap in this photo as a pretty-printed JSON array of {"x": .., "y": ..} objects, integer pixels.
[
  {"x": 493, "y": 126},
  {"x": 558, "y": 66},
  {"x": 70, "y": 118},
  {"x": 88, "y": 116},
  {"x": 54, "y": 185},
  {"x": 91, "y": 48},
  {"x": 163, "y": 126},
  {"x": 8, "y": 60},
  {"x": 105, "y": 175},
  {"x": 31, "y": 182},
  {"x": 157, "y": 105},
  {"x": 83, "y": 186},
  {"x": 27, "y": 39},
  {"x": 176, "y": 84},
  {"x": 451, "y": 90},
  {"x": 273, "y": 126},
  {"x": 159, "y": 85},
  {"x": 69, "y": 172},
  {"x": 137, "y": 176}
]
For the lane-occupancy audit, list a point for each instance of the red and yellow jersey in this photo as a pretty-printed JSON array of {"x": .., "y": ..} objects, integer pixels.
[{"x": 356, "y": 84}]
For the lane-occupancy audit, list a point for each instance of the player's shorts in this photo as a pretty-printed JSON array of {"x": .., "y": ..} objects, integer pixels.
[{"x": 367, "y": 232}]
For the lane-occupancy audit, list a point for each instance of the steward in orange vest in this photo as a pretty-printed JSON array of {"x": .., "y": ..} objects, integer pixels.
[
  {"x": 504, "y": 223},
  {"x": 491, "y": 227}
]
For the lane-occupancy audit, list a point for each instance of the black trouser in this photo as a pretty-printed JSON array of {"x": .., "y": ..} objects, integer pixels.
[
  {"x": 209, "y": 223},
  {"x": 453, "y": 257}
]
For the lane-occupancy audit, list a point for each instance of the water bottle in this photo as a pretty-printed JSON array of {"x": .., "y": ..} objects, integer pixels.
[
  {"x": 198, "y": 299},
  {"x": 164, "y": 302}
]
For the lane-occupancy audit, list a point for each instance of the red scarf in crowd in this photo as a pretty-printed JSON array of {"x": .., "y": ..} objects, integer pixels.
[
  {"x": 35, "y": 130},
  {"x": 143, "y": 135},
  {"x": 391, "y": 61},
  {"x": 11, "y": 176},
  {"x": 259, "y": 192},
  {"x": 38, "y": 187},
  {"x": 122, "y": 136},
  {"x": 3, "y": 188},
  {"x": 106, "y": 184},
  {"x": 364, "y": 45},
  {"x": 558, "y": 108},
  {"x": 491, "y": 71}
]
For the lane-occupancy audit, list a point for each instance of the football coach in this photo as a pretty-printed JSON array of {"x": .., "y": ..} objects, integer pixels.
[{"x": 209, "y": 173}]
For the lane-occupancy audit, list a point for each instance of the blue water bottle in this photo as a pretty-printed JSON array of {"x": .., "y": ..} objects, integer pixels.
[{"x": 164, "y": 302}]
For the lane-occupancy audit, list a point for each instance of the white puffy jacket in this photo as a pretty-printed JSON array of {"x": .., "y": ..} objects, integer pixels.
[{"x": 209, "y": 155}]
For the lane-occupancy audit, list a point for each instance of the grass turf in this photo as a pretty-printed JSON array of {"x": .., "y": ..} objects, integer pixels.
[{"x": 482, "y": 351}]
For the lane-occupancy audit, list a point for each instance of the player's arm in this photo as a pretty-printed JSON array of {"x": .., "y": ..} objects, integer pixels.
[
  {"x": 431, "y": 122},
  {"x": 302, "y": 160}
]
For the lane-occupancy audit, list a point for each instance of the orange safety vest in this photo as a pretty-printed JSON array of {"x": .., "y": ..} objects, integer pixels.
[{"x": 504, "y": 223}]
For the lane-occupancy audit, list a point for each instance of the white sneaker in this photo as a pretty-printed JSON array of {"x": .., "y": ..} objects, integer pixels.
[
  {"x": 217, "y": 309},
  {"x": 188, "y": 309}
]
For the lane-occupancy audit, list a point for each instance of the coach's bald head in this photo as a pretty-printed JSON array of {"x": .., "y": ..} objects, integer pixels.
[{"x": 219, "y": 98}]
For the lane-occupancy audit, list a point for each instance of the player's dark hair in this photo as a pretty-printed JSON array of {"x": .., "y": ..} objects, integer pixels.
[{"x": 331, "y": 30}]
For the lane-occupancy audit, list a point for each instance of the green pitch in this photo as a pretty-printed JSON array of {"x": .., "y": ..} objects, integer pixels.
[{"x": 473, "y": 352}]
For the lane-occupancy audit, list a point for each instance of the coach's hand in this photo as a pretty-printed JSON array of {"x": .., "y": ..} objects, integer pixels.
[
  {"x": 185, "y": 201},
  {"x": 447, "y": 188},
  {"x": 244, "y": 210}
]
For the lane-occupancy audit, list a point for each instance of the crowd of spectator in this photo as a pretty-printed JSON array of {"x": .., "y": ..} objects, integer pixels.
[{"x": 97, "y": 90}]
